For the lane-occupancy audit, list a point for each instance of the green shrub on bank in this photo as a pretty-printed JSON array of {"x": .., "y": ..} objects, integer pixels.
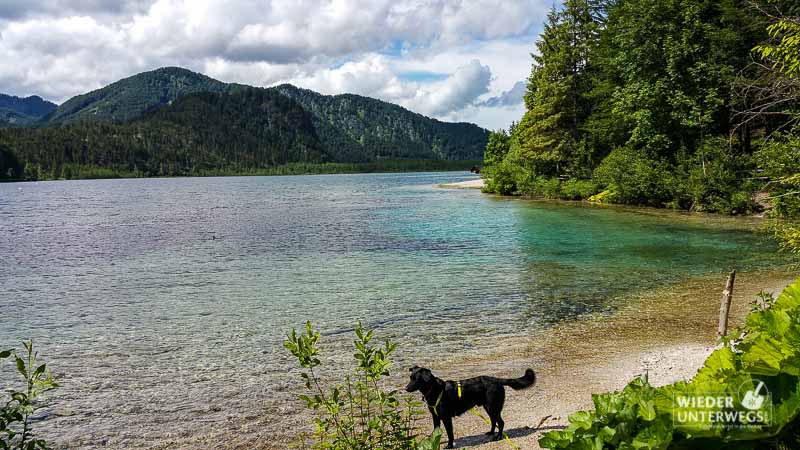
[
  {"x": 713, "y": 181},
  {"x": 710, "y": 181},
  {"x": 539, "y": 186},
  {"x": 636, "y": 177},
  {"x": 20, "y": 405},
  {"x": 358, "y": 413},
  {"x": 642, "y": 417},
  {"x": 577, "y": 189},
  {"x": 501, "y": 178},
  {"x": 780, "y": 160}
]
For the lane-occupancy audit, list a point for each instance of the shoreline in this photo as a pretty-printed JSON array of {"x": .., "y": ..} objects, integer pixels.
[
  {"x": 291, "y": 169},
  {"x": 650, "y": 332},
  {"x": 469, "y": 184},
  {"x": 584, "y": 203}
]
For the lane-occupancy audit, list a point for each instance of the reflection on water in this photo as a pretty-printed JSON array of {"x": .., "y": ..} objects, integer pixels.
[{"x": 162, "y": 303}]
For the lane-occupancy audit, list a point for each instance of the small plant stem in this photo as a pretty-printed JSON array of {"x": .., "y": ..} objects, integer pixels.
[{"x": 322, "y": 395}]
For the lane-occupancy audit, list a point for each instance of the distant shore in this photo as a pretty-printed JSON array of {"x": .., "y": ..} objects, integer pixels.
[
  {"x": 88, "y": 172},
  {"x": 469, "y": 184}
]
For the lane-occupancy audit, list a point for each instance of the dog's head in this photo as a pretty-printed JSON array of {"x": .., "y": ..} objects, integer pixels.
[{"x": 420, "y": 378}]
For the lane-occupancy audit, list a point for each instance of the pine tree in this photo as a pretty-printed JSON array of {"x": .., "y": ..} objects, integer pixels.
[{"x": 548, "y": 136}]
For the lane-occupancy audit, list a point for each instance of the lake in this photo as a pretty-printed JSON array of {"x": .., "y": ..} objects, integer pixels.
[{"x": 161, "y": 304}]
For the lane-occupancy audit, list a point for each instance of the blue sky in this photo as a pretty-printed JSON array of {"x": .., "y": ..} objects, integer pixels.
[{"x": 457, "y": 60}]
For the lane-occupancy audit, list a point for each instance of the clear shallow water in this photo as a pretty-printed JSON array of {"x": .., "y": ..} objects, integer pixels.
[{"x": 161, "y": 304}]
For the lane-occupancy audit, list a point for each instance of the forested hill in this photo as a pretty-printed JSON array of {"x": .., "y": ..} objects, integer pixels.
[
  {"x": 17, "y": 111},
  {"x": 205, "y": 131},
  {"x": 173, "y": 121},
  {"x": 689, "y": 104},
  {"x": 131, "y": 97},
  {"x": 242, "y": 130},
  {"x": 365, "y": 128}
]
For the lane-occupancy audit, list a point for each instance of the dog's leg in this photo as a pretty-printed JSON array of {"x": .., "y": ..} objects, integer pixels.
[
  {"x": 491, "y": 418},
  {"x": 500, "y": 425},
  {"x": 495, "y": 408},
  {"x": 448, "y": 426},
  {"x": 436, "y": 421},
  {"x": 495, "y": 399}
]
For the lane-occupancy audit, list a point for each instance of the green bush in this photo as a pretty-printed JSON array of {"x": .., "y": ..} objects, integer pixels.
[
  {"x": 496, "y": 148},
  {"x": 712, "y": 180},
  {"x": 635, "y": 177},
  {"x": 787, "y": 233},
  {"x": 358, "y": 414},
  {"x": 643, "y": 417},
  {"x": 501, "y": 178},
  {"x": 549, "y": 188},
  {"x": 780, "y": 160},
  {"x": 577, "y": 189},
  {"x": 20, "y": 406}
]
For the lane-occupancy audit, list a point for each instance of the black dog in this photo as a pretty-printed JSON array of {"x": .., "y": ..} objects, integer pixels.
[{"x": 448, "y": 399}]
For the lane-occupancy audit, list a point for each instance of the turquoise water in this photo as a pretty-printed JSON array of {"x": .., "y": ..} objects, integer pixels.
[{"x": 162, "y": 303}]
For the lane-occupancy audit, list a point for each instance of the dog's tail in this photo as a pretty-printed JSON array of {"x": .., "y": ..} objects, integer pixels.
[{"x": 522, "y": 382}]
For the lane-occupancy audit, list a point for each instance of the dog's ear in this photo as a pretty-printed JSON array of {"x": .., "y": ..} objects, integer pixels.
[
  {"x": 426, "y": 374},
  {"x": 411, "y": 369}
]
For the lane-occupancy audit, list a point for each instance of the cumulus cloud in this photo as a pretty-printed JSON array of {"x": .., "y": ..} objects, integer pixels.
[
  {"x": 511, "y": 97},
  {"x": 14, "y": 9},
  {"x": 454, "y": 93},
  {"x": 60, "y": 48}
]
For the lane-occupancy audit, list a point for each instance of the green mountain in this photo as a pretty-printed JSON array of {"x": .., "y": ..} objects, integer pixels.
[
  {"x": 205, "y": 131},
  {"x": 133, "y": 96},
  {"x": 369, "y": 129},
  {"x": 175, "y": 122},
  {"x": 16, "y": 111}
]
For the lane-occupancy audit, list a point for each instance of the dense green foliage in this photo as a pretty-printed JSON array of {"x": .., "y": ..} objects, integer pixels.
[
  {"x": 21, "y": 404},
  {"x": 131, "y": 97},
  {"x": 365, "y": 129},
  {"x": 10, "y": 167},
  {"x": 358, "y": 413},
  {"x": 642, "y": 417},
  {"x": 653, "y": 101},
  {"x": 777, "y": 95},
  {"x": 15, "y": 111}
]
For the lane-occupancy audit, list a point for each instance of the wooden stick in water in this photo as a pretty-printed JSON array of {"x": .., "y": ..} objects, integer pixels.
[{"x": 725, "y": 305}]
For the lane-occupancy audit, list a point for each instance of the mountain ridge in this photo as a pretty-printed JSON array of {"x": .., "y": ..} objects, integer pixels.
[
  {"x": 172, "y": 121},
  {"x": 130, "y": 97},
  {"x": 22, "y": 111}
]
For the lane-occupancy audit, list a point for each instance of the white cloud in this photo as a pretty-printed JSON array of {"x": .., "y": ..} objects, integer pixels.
[
  {"x": 15, "y": 9},
  {"x": 454, "y": 93},
  {"x": 511, "y": 97},
  {"x": 60, "y": 48}
]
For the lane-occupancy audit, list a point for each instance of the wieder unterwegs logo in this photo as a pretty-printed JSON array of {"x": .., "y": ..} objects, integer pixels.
[{"x": 749, "y": 408}]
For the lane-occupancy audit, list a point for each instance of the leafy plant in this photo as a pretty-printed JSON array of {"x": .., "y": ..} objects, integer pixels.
[
  {"x": 357, "y": 413},
  {"x": 781, "y": 162},
  {"x": 642, "y": 417},
  {"x": 576, "y": 189},
  {"x": 501, "y": 178},
  {"x": 635, "y": 177},
  {"x": 625, "y": 420},
  {"x": 784, "y": 50},
  {"x": 16, "y": 413}
]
